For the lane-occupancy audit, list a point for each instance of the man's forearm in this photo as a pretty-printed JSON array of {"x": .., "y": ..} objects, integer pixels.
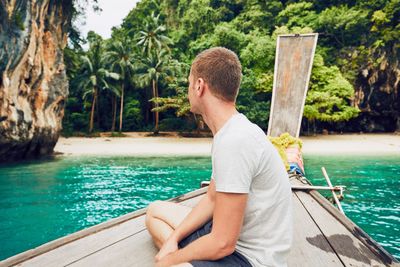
[
  {"x": 207, "y": 247},
  {"x": 200, "y": 214}
]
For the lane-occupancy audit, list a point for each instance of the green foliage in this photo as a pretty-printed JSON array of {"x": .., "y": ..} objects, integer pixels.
[
  {"x": 152, "y": 38},
  {"x": 251, "y": 102},
  {"x": 342, "y": 23},
  {"x": 259, "y": 54},
  {"x": 120, "y": 58},
  {"x": 133, "y": 115},
  {"x": 176, "y": 124},
  {"x": 258, "y": 16},
  {"x": 386, "y": 22},
  {"x": 297, "y": 15},
  {"x": 199, "y": 18},
  {"x": 152, "y": 50},
  {"x": 177, "y": 86},
  {"x": 93, "y": 74},
  {"x": 329, "y": 94}
]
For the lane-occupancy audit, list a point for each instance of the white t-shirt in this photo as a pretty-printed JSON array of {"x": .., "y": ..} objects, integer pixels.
[{"x": 245, "y": 161}]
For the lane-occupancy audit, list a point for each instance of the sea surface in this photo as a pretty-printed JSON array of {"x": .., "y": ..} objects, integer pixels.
[{"x": 44, "y": 200}]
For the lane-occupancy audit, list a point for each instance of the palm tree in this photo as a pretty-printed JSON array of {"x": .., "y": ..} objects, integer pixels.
[
  {"x": 115, "y": 93},
  {"x": 152, "y": 37},
  {"x": 150, "y": 70},
  {"x": 121, "y": 57},
  {"x": 93, "y": 76}
]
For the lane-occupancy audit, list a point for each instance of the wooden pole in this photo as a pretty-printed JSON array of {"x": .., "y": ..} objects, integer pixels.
[
  {"x": 316, "y": 187},
  {"x": 333, "y": 192},
  {"x": 297, "y": 187}
]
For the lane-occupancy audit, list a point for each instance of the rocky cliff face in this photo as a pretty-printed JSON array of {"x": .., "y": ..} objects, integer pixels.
[
  {"x": 33, "y": 82},
  {"x": 378, "y": 95}
]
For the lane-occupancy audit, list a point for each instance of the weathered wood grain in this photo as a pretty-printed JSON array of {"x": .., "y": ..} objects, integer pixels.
[
  {"x": 293, "y": 62},
  {"x": 310, "y": 247}
]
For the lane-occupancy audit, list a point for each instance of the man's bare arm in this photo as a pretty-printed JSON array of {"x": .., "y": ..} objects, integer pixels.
[
  {"x": 199, "y": 215},
  {"x": 227, "y": 222}
]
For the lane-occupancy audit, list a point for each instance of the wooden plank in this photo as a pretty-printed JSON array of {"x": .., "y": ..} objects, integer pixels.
[
  {"x": 310, "y": 247},
  {"x": 137, "y": 250},
  {"x": 384, "y": 256},
  {"x": 74, "y": 251},
  {"x": 293, "y": 62},
  {"x": 94, "y": 230},
  {"x": 351, "y": 250},
  {"x": 356, "y": 232}
]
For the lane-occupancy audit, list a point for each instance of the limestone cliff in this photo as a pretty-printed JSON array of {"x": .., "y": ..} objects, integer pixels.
[
  {"x": 378, "y": 94},
  {"x": 33, "y": 82}
]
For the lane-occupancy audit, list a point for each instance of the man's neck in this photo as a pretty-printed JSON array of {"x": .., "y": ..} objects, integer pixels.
[{"x": 218, "y": 116}]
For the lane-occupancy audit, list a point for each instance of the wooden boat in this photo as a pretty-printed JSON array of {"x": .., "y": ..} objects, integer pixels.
[{"x": 323, "y": 236}]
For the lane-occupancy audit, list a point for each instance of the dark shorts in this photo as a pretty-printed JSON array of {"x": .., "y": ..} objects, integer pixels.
[{"x": 235, "y": 259}]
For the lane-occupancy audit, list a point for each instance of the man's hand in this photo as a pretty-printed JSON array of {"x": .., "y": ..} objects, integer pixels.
[
  {"x": 170, "y": 246},
  {"x": 162, "y": 263}
]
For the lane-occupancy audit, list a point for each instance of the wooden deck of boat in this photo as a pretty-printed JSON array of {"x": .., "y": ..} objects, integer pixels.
[{"x": 323, "y": 237}]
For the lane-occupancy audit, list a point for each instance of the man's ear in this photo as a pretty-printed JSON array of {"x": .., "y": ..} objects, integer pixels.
[{"x": 200, "y": 87}]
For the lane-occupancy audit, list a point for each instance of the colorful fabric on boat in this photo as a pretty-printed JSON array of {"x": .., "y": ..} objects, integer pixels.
[
  {"x": 295, "y": 159},
  {"x": 295, "y": 168},
  {"x": 289, "y": 149}
]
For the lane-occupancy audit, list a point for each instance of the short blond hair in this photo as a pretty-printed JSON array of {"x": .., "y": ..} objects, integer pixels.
[{"x": 221, "y": 70}]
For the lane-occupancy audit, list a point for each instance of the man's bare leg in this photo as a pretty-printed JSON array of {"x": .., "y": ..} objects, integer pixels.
[
  {"x": 162, "y": 218},
  {"x": 186, "y": 264}
]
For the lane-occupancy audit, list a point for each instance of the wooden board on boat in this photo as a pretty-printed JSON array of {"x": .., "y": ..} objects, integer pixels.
[{"x": 293, "y": 62}]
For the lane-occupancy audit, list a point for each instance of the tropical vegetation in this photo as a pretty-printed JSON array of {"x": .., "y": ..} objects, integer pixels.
[{"x": 142, "y": 69}]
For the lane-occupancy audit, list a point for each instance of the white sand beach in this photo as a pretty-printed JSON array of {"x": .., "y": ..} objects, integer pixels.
[{"x": 138, "y": 144}]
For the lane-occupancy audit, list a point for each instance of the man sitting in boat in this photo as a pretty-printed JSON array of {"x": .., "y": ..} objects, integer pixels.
[{"x": 245, "y": 219}]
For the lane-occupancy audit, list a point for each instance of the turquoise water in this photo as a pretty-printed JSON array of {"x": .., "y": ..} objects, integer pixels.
[{"x": 42, "y": 201}]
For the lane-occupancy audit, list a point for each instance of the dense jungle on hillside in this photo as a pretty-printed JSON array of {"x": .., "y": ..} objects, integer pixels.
[{"x": 137, "y": 79}]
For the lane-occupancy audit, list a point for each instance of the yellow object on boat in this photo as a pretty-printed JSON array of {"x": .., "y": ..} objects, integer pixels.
[{"x": 289, "y": 149}]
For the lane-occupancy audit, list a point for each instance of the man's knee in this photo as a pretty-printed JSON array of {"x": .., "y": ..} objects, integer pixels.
[
  {"x": 152, "y": 210},
  {"x": 168, "y": 212},
  {"x": 153, "y": 207}
]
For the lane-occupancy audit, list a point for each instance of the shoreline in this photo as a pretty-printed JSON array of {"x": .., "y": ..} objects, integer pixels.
[{"x": 138, "y": 144}]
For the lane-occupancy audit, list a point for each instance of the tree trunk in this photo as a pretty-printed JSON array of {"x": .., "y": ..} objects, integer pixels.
[
  {"x": 92, "y": 110},
  {"x": 97, "y": 111},
  {"x": 155, "y": 94},
  {"x": 146, "y": 108},
  {"x": 122, "y": 108},
  {"x": 314, "y": 128},
  {"x": 33, "y": 81},
  {"x": 114, "y": 114}
]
